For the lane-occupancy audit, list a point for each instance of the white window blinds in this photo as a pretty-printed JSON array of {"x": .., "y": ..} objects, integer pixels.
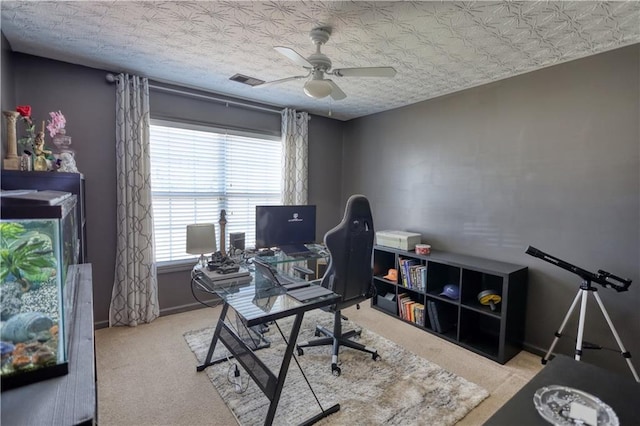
[{"x": 198, "y": 171}]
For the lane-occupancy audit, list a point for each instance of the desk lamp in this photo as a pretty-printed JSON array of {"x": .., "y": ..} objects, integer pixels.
[{"x": 201, "y": 239}]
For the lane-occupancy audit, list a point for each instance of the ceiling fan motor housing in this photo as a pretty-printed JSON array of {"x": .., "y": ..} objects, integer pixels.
[
  {"x": 320, "y": 35},
  {"x": 320, "y": 61}
]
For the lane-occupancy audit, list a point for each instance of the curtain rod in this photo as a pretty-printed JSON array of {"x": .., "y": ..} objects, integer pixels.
[{"x": 112, "y": 78}]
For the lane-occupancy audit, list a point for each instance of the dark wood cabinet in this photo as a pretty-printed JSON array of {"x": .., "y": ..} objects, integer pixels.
[
  {"x": 496, "y": 333},
  {"x": 70, "y": 399},
  {"x": 57, "y": 181}
]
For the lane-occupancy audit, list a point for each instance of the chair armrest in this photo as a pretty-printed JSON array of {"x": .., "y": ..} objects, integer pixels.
[{"x": 304, "y": 272}]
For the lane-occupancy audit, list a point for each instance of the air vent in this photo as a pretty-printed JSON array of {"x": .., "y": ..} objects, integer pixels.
[{"x": 246, "y": 80}]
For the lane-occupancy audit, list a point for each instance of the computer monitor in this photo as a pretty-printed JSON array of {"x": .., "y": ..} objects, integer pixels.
[{"x": 278, "y": 226}]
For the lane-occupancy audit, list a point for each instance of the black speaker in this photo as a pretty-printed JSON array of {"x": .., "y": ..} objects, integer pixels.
[{"x": 236, "y": 240}]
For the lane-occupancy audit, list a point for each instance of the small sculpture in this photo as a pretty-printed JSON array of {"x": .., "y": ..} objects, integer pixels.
[
  {"x": 11, "y": 161},
  {"x": 223, "y": 223},
  {"x": 40, "y": 161},
  {"x": 67, "y": 162}
]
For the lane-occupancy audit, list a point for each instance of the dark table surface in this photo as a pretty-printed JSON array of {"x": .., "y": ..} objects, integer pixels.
[
  {"x": 68, "y": 399},
  {"x": 621, "y": 393}
]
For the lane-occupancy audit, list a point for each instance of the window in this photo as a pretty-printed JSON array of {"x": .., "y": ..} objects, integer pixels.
[{"x": 197, "y": 171}]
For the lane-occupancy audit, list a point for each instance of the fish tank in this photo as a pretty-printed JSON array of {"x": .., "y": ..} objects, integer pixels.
[{"x": 38, "y": 242}]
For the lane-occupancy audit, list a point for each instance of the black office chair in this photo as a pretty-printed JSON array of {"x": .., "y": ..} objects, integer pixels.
[{"x": 349, "y": 273}]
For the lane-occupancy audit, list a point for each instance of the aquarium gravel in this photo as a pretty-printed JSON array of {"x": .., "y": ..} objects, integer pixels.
[{"x": 43, "y": 299}]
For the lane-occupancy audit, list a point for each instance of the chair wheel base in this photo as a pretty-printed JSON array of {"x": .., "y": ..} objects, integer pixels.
[
  {"x": 300, "y": 351},
  {"x": 335, "y": 370},
  {"x": 376, "y": 357}
]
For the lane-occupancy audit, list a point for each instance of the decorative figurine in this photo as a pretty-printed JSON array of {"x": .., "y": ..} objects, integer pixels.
[
  {"x": 40, "y": 162},
  {"x": 66, "y": 162},
  {"x": 223, "y": 224},
  {"x": 12, "y": 161}
]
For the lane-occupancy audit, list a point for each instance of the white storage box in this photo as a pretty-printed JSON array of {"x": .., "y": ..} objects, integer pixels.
[{"x": 398, "y": 239}]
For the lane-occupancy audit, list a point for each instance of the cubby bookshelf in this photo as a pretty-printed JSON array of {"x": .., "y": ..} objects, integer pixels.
[{"x": 494, "y": 333}]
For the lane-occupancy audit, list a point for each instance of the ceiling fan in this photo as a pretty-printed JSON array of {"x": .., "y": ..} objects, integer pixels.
[{"x": 318, "y": 65}]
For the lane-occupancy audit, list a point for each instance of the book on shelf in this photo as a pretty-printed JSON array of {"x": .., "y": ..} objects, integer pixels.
[
  {"x": 436, "y": 316},
  {"x": 418, "y": 313},
  {"x": 445, "y": 319},
  {"x": 408, "y": 309},
  {"x": 413, "y": 273},
  {"x": 402, "y": 297},
  {"x": 432, "y": 320},
  {"x": 403, "y": 276},
  {"x": 423, "y": 278},
  {"x": 405, "y": 268}
]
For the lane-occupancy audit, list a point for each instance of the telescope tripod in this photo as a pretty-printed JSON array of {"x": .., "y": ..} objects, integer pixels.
[{"x": 586, "y": 288}]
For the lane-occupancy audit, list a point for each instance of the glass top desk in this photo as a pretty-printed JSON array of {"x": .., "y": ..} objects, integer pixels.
[
  {"x": 318, "y": 251},
  {"x": 253, "y": 306},
  {"x": 304, "y": 266}
]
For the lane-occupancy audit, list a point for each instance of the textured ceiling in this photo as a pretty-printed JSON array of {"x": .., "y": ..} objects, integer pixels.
[{"x": 436, "y": 47}]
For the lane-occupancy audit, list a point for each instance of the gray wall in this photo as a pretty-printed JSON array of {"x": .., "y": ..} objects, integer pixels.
[
  {"x": 88, "y": 103},
  {"x": 8, "y": 91},
  {"x": 548, "y": 159}
]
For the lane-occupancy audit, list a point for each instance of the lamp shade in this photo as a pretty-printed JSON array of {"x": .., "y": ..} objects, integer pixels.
[
  {"x": 317, "y": 88},
  {"x": 201, "y": 238}
]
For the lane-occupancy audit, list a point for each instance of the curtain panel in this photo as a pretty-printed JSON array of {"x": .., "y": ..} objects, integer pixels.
[
  {"x": 134, "y": 298},
  {"x": 295, "y": 151}
]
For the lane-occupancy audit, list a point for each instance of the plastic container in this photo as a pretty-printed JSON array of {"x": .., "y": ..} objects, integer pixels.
[{"x": 423, "y": 249}]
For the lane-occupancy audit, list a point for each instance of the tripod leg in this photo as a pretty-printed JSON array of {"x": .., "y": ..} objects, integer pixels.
[
  {"x": 583, "y": 311},
  {"x": 562, "y": 326},
  {"x": 625, "y": 354}
]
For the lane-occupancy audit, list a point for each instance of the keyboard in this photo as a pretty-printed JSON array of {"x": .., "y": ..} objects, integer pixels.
[
  {"x": 296, "y": 250},
  {"x": 303, "y": 254},
  {"x": 309, "y": 292}
]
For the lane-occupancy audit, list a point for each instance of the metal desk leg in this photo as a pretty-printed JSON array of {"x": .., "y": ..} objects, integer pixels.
[
  {"x": 214, "y": 339},
  {"x": 284, "y": 367}
]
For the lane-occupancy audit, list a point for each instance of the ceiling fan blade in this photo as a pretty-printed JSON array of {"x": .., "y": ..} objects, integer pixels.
[
  {"x": 336, "y": 93},
  {"x": 365, "y": 72},
  {"x": 282, "y": 80},
  {"x": 294, "y": 56}
]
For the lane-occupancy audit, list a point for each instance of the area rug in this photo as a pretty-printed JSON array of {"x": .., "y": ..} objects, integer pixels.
[{"x": 399, "y": 389}]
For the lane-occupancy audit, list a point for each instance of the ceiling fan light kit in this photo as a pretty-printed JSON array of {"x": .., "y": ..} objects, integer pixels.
[
  {"x": 318, "y": 64},
  {"x": 317, "y": 89}
]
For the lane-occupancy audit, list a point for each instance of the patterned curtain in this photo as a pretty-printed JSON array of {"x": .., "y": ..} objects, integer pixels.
[
  {"x": 134, "y": 299},
  {"x": 296, "y": 147}
]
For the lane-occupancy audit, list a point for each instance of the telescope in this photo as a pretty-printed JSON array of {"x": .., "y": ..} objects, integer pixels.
[{"x": 604, "y": 278}]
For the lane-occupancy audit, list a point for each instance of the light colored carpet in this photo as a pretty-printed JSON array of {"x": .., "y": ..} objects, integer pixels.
[
  {"x": 146, "y": 375},
  {"x": 401, "y": 388}
]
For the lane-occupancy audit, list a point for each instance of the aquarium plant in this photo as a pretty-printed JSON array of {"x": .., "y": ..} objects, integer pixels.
[{"x": 27, "y": 258}]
